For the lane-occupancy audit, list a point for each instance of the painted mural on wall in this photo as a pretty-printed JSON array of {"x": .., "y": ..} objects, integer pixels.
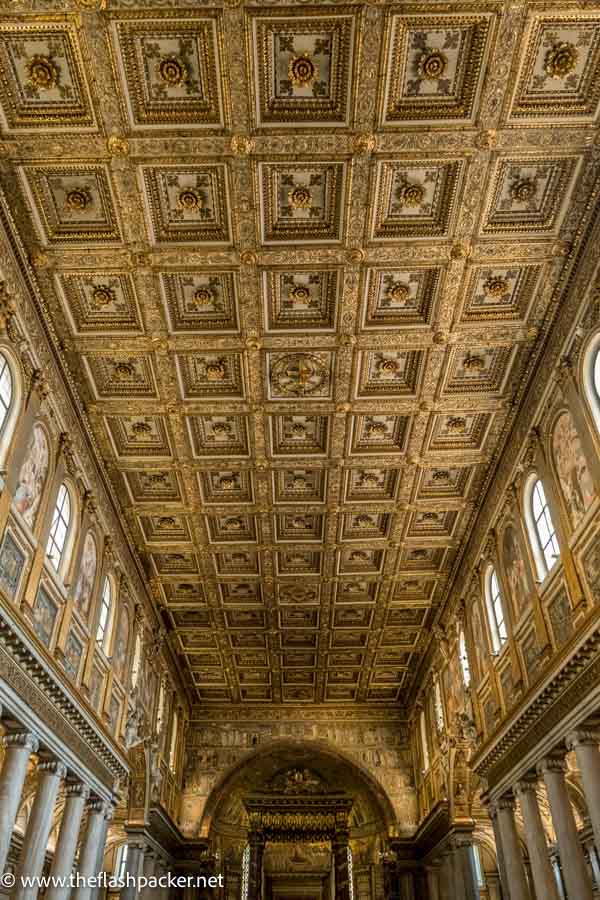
[
  {"x": 73, "y": 654},
  {"x": 12, "y": 563},
  {"x": 479, "y": 643},
  {"x": 44, "y": 615},
  {"x": 121, "y": 642},
  {"x": 514, "y": 568},
  {"x": 32, "y": 476},
  {"x": 591, "y": 568},
  {"x": 572, "y": 469},
  {"x": 86, "y": 577},
  {"x": 381, "y": 749}
]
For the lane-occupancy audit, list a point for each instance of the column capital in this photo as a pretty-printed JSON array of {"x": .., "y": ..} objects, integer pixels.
[
  {"x": 506, "y": 801},
  {"x": 96, "y": 805},
  {"x": 77, "y": 789},
  {"x": 554, "y": 764},
  {"x": 52, "y": 767},
  {"x": 527, "y": 785},
  {"x": 582, "y": 737},
  {"x": 24, "y": 739}
]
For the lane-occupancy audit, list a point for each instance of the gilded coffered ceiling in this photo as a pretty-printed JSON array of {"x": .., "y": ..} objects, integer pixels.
[{"x": 301, "y": 261}]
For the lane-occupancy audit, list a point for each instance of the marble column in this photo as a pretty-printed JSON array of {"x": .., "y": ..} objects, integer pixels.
[
  {"x": 257, "y": 847},
  {"x": 465, "y": 864},
  {"x": 66, "y": 845},
  {"x": 446, "y": 876},
  {"x": 585, "y": 745},
  {"x": 493, "y": 886},
  {"x": 149, "y": 871},
  {"x": 339, "y": 845},
  {"x": 99, "y": 865},
  {"x": 493, "y": 814},
  {"x": 458, "y": 876},
  {"x": 18, "y": 747},
  {"x": 33, "y": 851},
  {"x": 433, "y": 883},
  {"x": 573, "y": 863},
  {"x": 518, "y": 889},
  {"x": 535, "y": 838},
  {"x": 133, "y": 869},
  {"x": 88, "y": 854}
]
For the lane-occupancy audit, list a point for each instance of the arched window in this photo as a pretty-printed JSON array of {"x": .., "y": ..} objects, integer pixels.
[
  {"x": 59, "y": 529},
  {"x": 541, "y": 529},
  {"x": 438, "y": 706},
  {"x": 103, "y": 630},
  {"x": 160, "y": 712},
  {"x": 6, "y": 390},
  {"x": 173, "y": 748},
  {"x": 495, "y": 610},
  {"x": 464, "y": 659},
  {"x": 591, "y": 378},
  {"x": 245, "y": 873},
  {"x": 424, "y": 744},
  {"x": 137, "y": 660}
]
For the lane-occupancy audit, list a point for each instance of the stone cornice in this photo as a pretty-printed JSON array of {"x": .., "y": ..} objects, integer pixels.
[
  {"x": 206, "y": 715},
  {"x": 560, "y": 702},
  {"x": 28, "y": 677}
]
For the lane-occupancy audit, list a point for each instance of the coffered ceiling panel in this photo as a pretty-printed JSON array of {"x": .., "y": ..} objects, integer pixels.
[{"x": 300, "y": 262}]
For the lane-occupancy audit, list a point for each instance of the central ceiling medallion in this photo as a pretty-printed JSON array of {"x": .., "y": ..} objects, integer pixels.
[
  {"x": 474, "y": 363},
  {"x": 441, "y": 475},
  {"x": 78, "y": 199},
  {"x": 376, "y": 429},
  {"x": 411, "y": 194},
  {"x": 369, "y": 479},
  {"x": 221, "y": 428},
  {"x": 300, "y": 294},
  {"x": 300, "y": 197},
  {"x": 299, "y": 522},
  {"x": 299, "y": 429},
  {"x": 189, "y": 199},
  {"x": 166, "y": 522},
  {"x": 102, "y": 295},
  {"x": 432, "y": 64},
  {"x": 496, "y": 286},
  {"x": 387, "y": 367},
  {"x": 141, "y": 429},
  {"x": 523, "y": 190},
  {"x": 42, "y": 73},
  {"x": 302, "y": 71},
  {"x": 299, "y": 482},
  {"x": 203, "y": 296},
  {"x": 227, "y": 482},
  {"x": 560, "y": 60},
  {"x": 399, "y": 292},
  {"x": 363, "y": 521},
  {"x": 123, "y": 370},
  {"x": 457, "y": 425},
  {"x": 216, "y": 371},
  {"x": 233, "y": 524},
  {"x": 299, "y": 374},
  {"x": 172, "y": 71},
  {"x": 157, "y": 477}
]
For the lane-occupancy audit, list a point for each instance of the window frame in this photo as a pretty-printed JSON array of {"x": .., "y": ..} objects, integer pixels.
[
  {"x": 591, "y": 378},
  {"x": 64, "y": 551},
  {"x": 103, "y": 641},
  {"x": 538, "y": 548},
  {"x": 424, "y": 742},
  {"x": 493, "y": 602},
  {"x": 173, "y": 741},
  {"x": 438, "y": 706},
  {"x": 463, "y": 658},
  {"x": 13, "y": 409}
]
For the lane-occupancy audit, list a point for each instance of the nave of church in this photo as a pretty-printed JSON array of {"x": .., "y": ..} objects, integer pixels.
[{"x": 299, "y": 450}]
